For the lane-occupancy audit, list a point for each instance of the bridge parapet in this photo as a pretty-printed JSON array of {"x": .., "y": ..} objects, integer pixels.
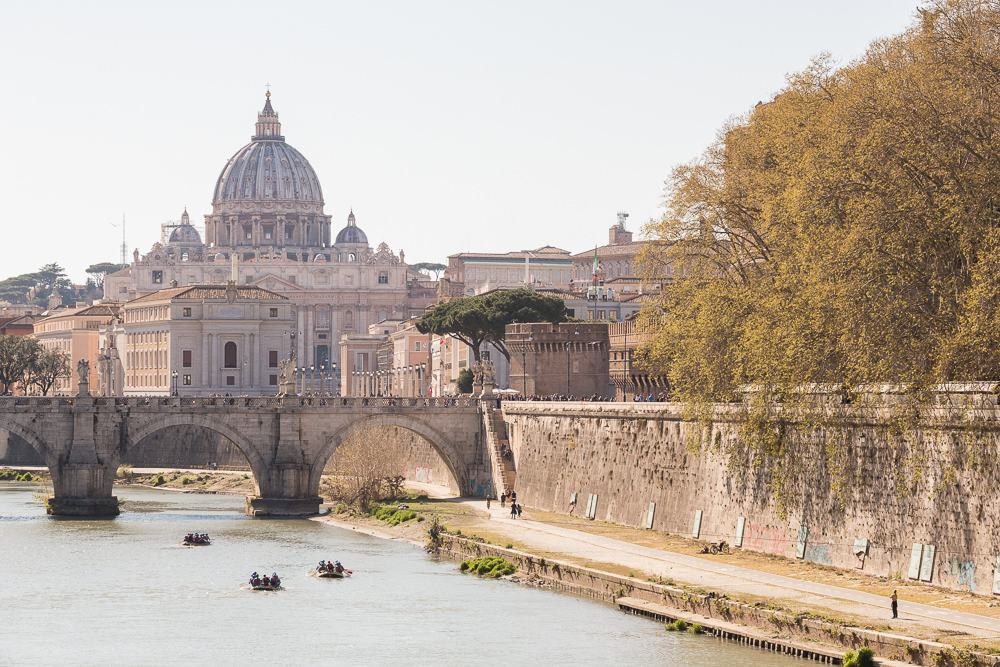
[{"x": 7, "y": 402}]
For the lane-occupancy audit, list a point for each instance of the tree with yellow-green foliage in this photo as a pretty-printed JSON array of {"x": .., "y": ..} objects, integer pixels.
[{"x": 848, "y": 231}]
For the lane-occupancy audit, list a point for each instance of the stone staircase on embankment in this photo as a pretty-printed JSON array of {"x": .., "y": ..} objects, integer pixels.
[{"x": 504, "y": 474}]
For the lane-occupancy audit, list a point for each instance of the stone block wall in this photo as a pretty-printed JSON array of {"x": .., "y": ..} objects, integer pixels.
[{"x": 936, "y": 485}]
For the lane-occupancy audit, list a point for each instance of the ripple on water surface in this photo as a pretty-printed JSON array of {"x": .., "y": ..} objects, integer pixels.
[{"x": 125, "y": 591}]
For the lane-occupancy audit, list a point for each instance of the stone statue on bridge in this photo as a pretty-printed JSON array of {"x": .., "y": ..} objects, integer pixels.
[
  {"x": 286, "y": 378},
  {"x": 83, "y": 372}
]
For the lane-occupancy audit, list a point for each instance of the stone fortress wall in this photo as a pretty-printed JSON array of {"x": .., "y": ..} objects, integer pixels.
[{"x": 816, "y": 498}]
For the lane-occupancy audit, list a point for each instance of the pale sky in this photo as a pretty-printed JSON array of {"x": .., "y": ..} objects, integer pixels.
[{"x": 447, "y": 126}]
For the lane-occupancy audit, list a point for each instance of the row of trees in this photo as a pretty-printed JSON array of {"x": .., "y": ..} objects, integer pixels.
[
  {"x": 37, "y": 286},
  {"x": 26, "y": 364},
  {"x": 848, "y": 231}
]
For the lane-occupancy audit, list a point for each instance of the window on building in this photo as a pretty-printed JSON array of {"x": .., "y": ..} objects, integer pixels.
[
  {"x": 486, "y": 355},
  {"x": 185, "y": 256},
  {"x": 272, "y": 359},
  {"x": 230, "y": 355},
  {"x": 417, "y": 346},
  {"x": 186, "y": 359},
  {"x": 613, "y": 315},
  {"x": 187, "y": 380},
  {"x": 230, "y": 381},
  {"x": 602, "y": 314},
  {"x": 274, "y": 312},
  {"x": 382, "y": 315},
  {"x": 590, "y": 314},
  {"x": 273, "y": 380},
  {"x": 348, "y": 280},
  {"x": 247, "y": 232},
  {"x": 268, "y": 233},
  {"x": 157, "y": 277},
  {"x": 383, "y": 277},
  {"x": 123, "y": 289},
  {"x": 570, "y": 312},
  {"x": 351, "y": 257},
  {"x": 186, "y": 312},
  {"x": 288, "y": 232}
]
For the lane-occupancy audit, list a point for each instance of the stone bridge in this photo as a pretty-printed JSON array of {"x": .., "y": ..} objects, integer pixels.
[{"x": 287, "y": 441}]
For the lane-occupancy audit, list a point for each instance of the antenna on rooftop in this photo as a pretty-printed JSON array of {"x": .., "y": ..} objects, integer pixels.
[
  {"x": 124, "y": 256},
  {"x": 124, "y": 245}
]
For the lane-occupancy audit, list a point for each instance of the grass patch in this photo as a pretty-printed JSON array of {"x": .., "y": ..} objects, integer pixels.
[
  {"x": 487, "y": 566},
  {"x": 391, "y": 515}
]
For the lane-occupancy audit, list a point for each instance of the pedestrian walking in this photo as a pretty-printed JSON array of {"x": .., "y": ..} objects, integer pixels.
[
  {"x": 513, "y": 510},
  {"x": 895, "y": 605},
  {"x": 503, "y": 497},
  {"x": 518, "y": 511},
  {"x": 487, "y": 501}
]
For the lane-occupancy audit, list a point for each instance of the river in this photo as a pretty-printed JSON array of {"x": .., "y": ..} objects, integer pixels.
[{"x": 125, "y": 592}]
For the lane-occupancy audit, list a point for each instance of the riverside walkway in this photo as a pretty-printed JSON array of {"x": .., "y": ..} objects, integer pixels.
[{"x": 726, "y": 578}]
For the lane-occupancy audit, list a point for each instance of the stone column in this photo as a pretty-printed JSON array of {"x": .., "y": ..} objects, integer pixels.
[
  {"x": 308, "y": 335},
  {"x": 206, "y": 342},
  {"x": 244, "y": 353}
]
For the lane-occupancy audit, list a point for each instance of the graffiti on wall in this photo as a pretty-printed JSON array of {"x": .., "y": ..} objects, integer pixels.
[
  {"x": 962, "y": 571},
  {"x": 424, "y": 474},
  {"x": 820, "y": 551}
]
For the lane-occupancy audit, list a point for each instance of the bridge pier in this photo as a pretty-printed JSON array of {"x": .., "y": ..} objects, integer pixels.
[
  {"x": 283, "y": 508},
  {"x": 82, "y": 489},
  {"x": 285, "y": 493}
]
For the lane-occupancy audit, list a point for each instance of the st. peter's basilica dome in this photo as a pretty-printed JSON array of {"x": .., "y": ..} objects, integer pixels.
[{"x": 267, "y": 169}]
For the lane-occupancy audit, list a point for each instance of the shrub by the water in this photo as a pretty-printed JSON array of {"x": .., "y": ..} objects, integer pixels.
[
  {"x": 391, "y": 515},
  {"x": 159, "y": 480},
  {"x": 680, "y": 625},
  {"x": 865, "y": 657},
  {"x": 487, "y": 566},
  {"x": 185, "y": 480},
  {"x": 697, "y": 629}
]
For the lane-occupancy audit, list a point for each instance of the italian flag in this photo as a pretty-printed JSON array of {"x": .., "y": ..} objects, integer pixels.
[{"x": 595, "y": 263}]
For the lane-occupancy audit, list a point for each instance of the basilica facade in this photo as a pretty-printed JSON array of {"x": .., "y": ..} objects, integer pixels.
[{"x": 268, "y": 229}]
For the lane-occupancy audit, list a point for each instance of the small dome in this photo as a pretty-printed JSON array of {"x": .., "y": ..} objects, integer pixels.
[
  {"x": 185, "y": 235},
  {"x": 319, "y": 258},
  {"x": 220, "y": 257},
  {"x": 351, "y": 233}
]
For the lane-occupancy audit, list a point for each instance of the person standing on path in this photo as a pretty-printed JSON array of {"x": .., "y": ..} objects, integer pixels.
[
  {"x": 513, "y": 510},
  {"x": 518, "y": 511},
  {"x": 487, "y": 501},
  {"x": 895, "y": 605},
  {"x": 503, "y": 497}
]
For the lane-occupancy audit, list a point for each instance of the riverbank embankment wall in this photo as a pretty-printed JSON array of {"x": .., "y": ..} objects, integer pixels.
[
  {"x": 757, "y": 625},
  {"x": 911, "y": 498}
]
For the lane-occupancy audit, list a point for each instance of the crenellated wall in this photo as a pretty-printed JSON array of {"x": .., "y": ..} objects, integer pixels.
[{"x": 831, "y": 484}]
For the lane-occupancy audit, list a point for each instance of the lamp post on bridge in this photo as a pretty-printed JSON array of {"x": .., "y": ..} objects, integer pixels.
[{"x": 173, "y": 378}]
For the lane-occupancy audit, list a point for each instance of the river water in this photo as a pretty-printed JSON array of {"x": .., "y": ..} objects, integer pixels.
[{"x": 125, "y": 592}]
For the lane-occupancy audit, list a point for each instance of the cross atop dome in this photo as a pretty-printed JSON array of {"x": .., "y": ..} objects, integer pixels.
[{"x": 268, "y": 126}]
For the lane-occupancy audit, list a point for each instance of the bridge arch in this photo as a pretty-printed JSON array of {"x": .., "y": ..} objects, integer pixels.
[
  {"x": 148, "y": 427},
  {"x": 439, "y": 442},
  {"x": 32, "y": 438}
]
